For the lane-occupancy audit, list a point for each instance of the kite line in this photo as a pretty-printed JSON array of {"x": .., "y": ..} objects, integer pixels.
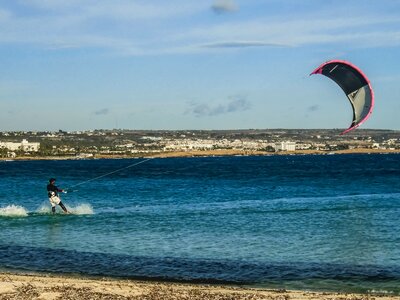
[{"x": 109, "y": 173}]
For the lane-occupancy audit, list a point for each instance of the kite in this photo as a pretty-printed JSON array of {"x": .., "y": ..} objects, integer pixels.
[{"x": 355, "y": 85}]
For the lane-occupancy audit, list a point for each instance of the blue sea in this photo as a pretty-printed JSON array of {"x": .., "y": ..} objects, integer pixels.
[{"x": 315, "y": 222}]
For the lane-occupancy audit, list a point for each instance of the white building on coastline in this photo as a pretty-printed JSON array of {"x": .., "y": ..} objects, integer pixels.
[
  {"x": 210, "y": 144},
  {"x": 24, "y": 145},
  {"x": 285, "y": 146}
]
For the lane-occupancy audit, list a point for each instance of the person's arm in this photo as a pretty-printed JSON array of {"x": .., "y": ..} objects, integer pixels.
[{"x": 58, "y": 190}]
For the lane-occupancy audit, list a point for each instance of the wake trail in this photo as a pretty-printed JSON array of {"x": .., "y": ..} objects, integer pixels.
[
  {"x": 13, "y": 211},
  {"x": 18, "y": 211}
]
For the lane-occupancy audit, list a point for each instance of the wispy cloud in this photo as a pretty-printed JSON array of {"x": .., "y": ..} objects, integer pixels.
[
  {"x": 158, "y": 27},
  {"x": 5, "y": 14},
  {"x": 203, "y": 109},
  {"x": 387, "y": 78},
  {"x": 241, "y": 44},
  {"x": 109, "y": 9},
  {"x": 224, "y": 6},
  {"x": 313, "y": 108},
  {"x": 104, "y": 111},
  {"x": 358, "y": 32}
]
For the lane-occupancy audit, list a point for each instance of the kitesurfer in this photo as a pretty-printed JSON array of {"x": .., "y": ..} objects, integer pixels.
[{"x": 52, "y": 192}]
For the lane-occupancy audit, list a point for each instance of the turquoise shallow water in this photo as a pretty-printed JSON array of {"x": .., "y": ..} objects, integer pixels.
[{"x": 313, "y": 222}]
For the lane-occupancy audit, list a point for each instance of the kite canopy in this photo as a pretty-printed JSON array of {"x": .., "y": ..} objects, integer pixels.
[{"x": 355, "y": 85}]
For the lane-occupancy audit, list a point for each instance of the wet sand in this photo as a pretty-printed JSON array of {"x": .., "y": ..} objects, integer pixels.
[{"x": 52, "y": 287}]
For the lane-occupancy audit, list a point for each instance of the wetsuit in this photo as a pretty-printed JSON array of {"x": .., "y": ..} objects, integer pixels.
[
  {"x": 52, "y": 192},
  {"x": 52, "y": 188}
]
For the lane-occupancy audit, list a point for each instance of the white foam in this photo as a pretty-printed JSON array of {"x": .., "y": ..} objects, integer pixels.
[
  {"x": 81, "y": 209},
  {"x": 45, "y": 208},
  {"x": 13, "y": 211},
  {"x": 381, "y": 292}
]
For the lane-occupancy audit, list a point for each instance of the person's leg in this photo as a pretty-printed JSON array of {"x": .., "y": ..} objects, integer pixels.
[
  {"x": 53, "y": 205},
  {"x": 63, "y": 207}
]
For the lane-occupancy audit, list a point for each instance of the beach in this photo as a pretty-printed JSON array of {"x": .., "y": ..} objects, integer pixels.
[{"x": 51, "y": 287}]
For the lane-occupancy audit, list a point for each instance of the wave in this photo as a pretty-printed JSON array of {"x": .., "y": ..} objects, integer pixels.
[
  {"x": 81, "y": 209},
  {"x": 276, "y": 205},
  {"x": 13, "y": 211}
]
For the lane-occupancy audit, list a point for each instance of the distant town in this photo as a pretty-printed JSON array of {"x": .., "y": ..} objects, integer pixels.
[{"x": 141, "y": 143}]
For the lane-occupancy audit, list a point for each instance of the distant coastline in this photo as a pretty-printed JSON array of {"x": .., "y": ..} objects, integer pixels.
[
  {"x": 211, "y": 153},
  {"x": 117, "y": 144}
]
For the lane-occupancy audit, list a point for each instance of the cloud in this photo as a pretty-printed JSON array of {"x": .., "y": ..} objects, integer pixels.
[
  {"x": 224, "y": 6},
  {"x": 238, "y": 104},
  {"x": 109, "y": 9},
  {"x": 162, "y": 27},
  {"x": 299, "y": 31},
  {"x": 5, "y": 15},
  {"x": 241, "y": 44},
  {"x": 313, "y": 108},
  {"x": 235, "y": 105},
  {"x": 104, "y": 111}
]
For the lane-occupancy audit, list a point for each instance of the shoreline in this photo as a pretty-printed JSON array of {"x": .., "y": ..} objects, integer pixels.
[
  {"x": 48, "y": 287},
  {"x": 209, "y": 153}
]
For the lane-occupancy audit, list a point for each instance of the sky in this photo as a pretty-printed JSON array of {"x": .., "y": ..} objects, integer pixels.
[{"x": 189, "y": 64}]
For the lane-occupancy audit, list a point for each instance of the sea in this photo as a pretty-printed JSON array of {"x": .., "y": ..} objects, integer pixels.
[{"x": 308, "y": 222}]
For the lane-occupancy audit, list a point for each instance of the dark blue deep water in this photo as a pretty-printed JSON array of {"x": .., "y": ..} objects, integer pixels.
[{"x": 326, "y": 222}]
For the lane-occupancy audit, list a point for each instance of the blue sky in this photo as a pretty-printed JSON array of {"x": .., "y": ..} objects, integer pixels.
[{"x": 212, "y": 64}]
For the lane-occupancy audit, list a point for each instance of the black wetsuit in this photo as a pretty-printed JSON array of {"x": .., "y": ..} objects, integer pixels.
[{"x": 53, "y": 188}]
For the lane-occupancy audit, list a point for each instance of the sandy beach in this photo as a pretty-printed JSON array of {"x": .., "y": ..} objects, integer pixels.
[{"x": 51, "y": 287}]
